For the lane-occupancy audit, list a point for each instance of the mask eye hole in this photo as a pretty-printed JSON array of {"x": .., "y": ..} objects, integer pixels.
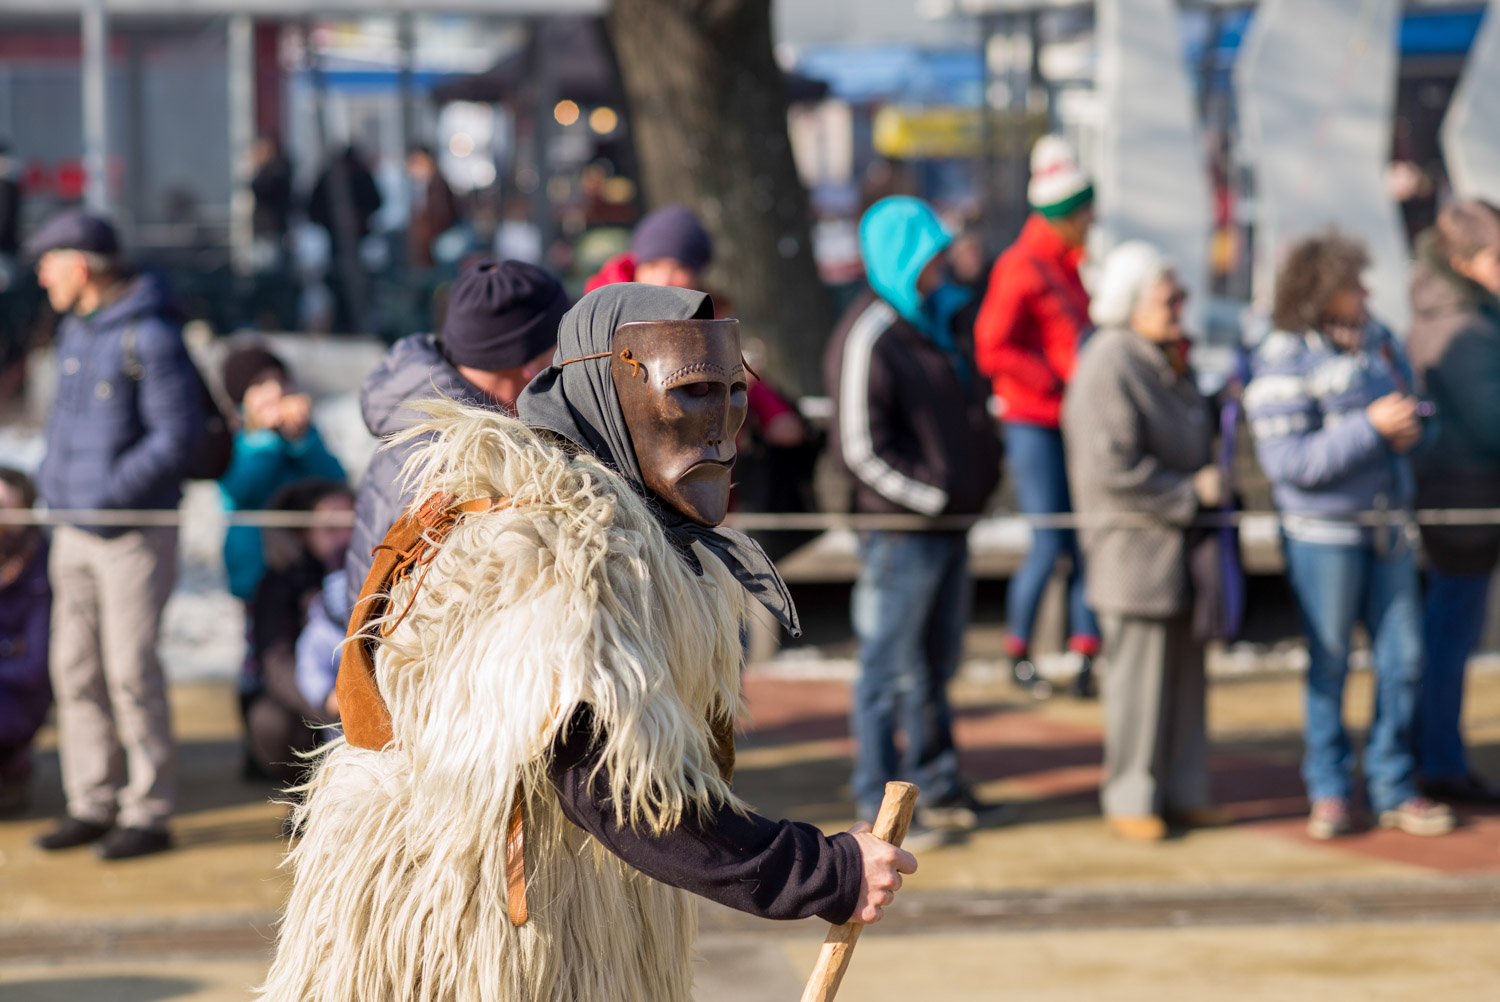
[{"x": 699, "y": 390}]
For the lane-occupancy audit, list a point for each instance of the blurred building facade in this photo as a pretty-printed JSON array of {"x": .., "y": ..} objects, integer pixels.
[{"x": 939, "y": 98}]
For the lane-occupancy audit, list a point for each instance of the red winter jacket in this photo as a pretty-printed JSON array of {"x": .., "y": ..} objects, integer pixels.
[
  {"x": 1034, "y": 315},
  {"x": 620, "y": 268}
]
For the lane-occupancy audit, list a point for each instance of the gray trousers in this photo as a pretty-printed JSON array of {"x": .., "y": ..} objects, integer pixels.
[
  {"x": 119, "y": 763},
  {"x": 1155, "y": 733}
]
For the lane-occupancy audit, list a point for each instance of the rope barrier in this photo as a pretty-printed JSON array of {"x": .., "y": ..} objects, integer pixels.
[{"x": 757, "y": 521}]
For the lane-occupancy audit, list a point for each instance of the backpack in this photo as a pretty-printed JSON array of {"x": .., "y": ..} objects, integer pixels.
[{"x": 214, "y": 455}]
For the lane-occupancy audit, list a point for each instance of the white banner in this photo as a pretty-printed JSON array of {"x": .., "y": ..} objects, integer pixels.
[
  {"x": 1316, "y": 83},
  {"x": 1152, "y": 177},
  {"x": 1471, "y": 129}
]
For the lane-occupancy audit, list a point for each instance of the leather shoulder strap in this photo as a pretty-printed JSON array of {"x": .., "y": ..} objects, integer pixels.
[
  {"x": 407, "y": 546},
  {"x": 362, "y": 710}
]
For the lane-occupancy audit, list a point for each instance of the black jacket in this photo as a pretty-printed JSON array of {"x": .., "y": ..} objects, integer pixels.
[
  {"x": 1455, "y": 349},
  {"x": 773, "y": 869},
  {"x": 272, "y": 187},
  {"x": 914, "y": 435}
]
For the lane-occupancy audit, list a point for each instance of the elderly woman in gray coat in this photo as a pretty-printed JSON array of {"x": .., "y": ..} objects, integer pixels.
[{"x": 1139, "y": 443}]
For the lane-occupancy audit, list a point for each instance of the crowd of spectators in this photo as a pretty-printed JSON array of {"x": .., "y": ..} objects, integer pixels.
[
  {"x": 1100, "y": 413},
  {"x": 941, "y": 379}
]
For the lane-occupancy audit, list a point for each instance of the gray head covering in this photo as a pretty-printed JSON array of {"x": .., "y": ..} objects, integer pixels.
[{"x": 578, "y": 402}]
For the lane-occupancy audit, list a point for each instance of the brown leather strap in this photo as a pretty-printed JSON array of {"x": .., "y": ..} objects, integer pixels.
[
  {"x": 409, "y": 545},
  {"x": 515, "y": 865}
]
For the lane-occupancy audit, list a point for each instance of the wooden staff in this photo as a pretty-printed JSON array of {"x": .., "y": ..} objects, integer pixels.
[{"x": 838, "y": 947}]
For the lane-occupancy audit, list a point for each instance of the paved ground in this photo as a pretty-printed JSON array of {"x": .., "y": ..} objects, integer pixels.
[{"x": 1048, "y": 908}]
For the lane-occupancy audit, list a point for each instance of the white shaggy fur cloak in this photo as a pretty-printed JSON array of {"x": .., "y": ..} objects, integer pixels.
[{"x": 572, "y": 596}]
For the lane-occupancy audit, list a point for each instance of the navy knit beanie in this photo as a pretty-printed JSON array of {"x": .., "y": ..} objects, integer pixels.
[
  {"x": 501, "y": 315},
  {"x": 672, "y": 232}
]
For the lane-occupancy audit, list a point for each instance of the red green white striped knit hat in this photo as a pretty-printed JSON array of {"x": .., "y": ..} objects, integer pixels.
[{"x": 1058, "y": 185}]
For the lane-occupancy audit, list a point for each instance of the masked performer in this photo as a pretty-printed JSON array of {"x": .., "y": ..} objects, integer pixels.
[{"x": 536, "y": 764}]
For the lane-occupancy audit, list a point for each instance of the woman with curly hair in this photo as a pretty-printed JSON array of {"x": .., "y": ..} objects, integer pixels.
[{"x": 1333, "y": 416}]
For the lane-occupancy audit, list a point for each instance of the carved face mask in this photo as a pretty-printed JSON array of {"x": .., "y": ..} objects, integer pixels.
[{"x": 681, "y": 386}]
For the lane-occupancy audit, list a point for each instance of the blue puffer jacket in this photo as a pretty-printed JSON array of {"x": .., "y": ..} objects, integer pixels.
[
  {"x": 413, "y": 370},
  {"x": 114, "y": 441}
]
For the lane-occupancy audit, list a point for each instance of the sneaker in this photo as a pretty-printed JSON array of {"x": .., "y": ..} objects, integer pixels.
[
  {"x": 71, "y": 833},
  {"x": 963, "y": 812},
  {"x": 1085, "y": 686},
  {"x": 920, "y": 838},
  {"x": 1330, "y": 818},
  {"x": 1419, "y": 816},
  {"x": 1138, "y": 829},
  {"x": 127, "y": 843},
  {"x": 1470, "y": 789}
]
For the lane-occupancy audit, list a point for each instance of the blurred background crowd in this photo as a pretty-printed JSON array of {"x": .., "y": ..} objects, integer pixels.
[{"x": 1051, "y": 293}]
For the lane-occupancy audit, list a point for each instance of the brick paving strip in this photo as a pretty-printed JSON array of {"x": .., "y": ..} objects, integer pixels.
[{"x": 1438, "y": 900}]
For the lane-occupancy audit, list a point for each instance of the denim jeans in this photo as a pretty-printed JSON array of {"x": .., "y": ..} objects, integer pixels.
[
  {"x": 1039, "y": 473},
  {"x": 1335, "y": 586},
  {"x": 910, "y": 606},
  {"x": 1452, "y": 624}
]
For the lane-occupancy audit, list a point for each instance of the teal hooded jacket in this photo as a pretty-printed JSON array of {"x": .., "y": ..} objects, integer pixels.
[{"x": 898, "y": 236}]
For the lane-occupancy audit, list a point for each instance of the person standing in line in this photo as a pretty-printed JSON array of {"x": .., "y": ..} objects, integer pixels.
[
  {"x": 124, "y": 430},
  {"x": 912, "y": 427},
  {"x": 1140, "y": 447},
  {"x": 1331, "y": 410},
  {"x": 1034, "y": 317},
  {"x": 499, "y": 331},
  {"x": 277, "y": 444},
  {"x": 1455, "y": 348}
]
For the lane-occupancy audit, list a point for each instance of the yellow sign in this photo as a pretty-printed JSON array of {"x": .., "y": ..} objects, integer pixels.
[{"x": 940, "y": 133}]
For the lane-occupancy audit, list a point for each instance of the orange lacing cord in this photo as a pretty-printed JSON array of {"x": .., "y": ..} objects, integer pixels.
[{"x": 445, "y": 519}]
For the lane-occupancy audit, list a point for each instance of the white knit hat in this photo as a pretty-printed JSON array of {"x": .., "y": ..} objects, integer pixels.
[
  {"x": 1128, "y": 270},
  {"x": 1057, "y": 185}
]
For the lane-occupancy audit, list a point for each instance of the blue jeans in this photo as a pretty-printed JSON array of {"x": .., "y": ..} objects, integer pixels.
[
  {"x": 1335, "y": 586},
  {"x": 910, "y": 606},
  {"x": 1452, "y": 623},
  {"x": 1040, "y": 476}
]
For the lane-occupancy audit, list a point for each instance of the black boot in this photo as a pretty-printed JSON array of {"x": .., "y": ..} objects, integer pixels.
[
  {"x": 127, "y": 843},
  {"x": 71, "y": 833}
]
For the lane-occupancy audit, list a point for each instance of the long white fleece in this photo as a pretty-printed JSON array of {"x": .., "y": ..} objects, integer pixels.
[{"x": 572, "y": 596}]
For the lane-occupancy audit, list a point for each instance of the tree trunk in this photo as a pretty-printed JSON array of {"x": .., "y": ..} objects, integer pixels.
[{"x": 708, "y": 114}]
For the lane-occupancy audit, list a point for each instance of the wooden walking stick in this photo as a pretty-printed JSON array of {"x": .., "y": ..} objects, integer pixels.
[{"x": 838, "y": 947}]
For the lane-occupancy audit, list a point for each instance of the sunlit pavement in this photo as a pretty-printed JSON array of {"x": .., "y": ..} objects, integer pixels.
[{"x": 1047, "y": 907}]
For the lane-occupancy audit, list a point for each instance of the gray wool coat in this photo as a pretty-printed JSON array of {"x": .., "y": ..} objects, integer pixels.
[{"x": 1135, "y": 434}]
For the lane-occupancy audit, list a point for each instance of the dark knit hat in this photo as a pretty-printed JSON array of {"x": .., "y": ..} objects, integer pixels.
[
  {"x": 672, "y": 232},
  {"x": 243, "y": 368},
  {"x": 75, "y": 229},
  {"x": 501, "y": 315}
]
